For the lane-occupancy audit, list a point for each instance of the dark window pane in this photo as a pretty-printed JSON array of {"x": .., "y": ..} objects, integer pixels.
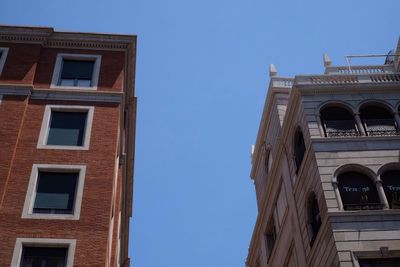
[
  {"x": 391, "y": 185},
  {"x": 299, "y": 150},
  {"x": 43, "y": 257},
  {"x": 55, "y": 192},
  {"x": 75, "y": 69},
  {"x": 338, "y": 122},
  {"x": 378, "y": 121},
  {"x": 358, "y": 191},
  {"x": 315, "y": 217},
  {"x": 389, "y": 262},
  {"x": 67, "y": 128}
]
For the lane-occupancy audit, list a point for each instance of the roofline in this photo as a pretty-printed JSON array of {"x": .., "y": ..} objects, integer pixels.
[{"x": 44, "y": 29}]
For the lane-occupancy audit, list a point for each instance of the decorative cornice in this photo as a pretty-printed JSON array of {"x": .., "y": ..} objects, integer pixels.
[{"x": 49, "y": 38}]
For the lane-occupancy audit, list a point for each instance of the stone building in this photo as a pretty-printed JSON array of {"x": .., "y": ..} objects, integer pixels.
[
  {"x": 67, "y": 113},
  {"x": 326, "y": 168}
]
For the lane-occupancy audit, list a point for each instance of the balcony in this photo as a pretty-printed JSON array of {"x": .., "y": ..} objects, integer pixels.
[
  {"x": 363, "y": 206},
  {"x": 340, "y": 128},
  {"x": 380, "y": 127}
]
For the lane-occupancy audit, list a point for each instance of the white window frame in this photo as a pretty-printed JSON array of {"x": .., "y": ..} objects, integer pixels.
[
  {"x": 81, "y": 57},
  {"x": 27, "y": 212},
  {"x": 3, "y": 58},
  {"x": 70, "y": 244},
  {"x": 45, "y": 128}
]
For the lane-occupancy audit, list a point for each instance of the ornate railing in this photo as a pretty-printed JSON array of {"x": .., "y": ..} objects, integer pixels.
[
  {"x": 340, "y": 128},
  {"x": 380, "y": 127},
  {"x": 363, "y": 206},
  {"x": 282, "y": 82},
  {"x": 342, "y": 79},
  {"x": 371, "y": 69}
]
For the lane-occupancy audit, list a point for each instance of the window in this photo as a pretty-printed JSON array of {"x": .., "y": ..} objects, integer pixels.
[
  {"x": 270, "y": 238},
  {"x": 42, "y": 252},
  {"x": 358, "y": 192},
  {"x": 338, "y": 122},
  {"x": 388, "y": 262},
  {"x": 391, "y": 185},
  {"x": 43, "y": 257},
  {"x": 74, "y": 71},
  {"x": 3, "y": 57},
  {"x": 66, "y": 127},
  {"x": 378, "y": 121},
  {"x": 299, "y": 149},
  {"x": 54, "y": 192},
  {"x": 314, "y": 217}
]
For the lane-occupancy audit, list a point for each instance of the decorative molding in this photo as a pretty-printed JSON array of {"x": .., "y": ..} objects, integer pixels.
[
  {"x": 49, "y": 38},
  {"x": 8, "y": 89},
  {"x": 74, "y": 95}
]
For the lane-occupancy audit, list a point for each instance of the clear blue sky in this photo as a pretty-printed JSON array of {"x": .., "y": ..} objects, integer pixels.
[{"x": 202, "y": 75}]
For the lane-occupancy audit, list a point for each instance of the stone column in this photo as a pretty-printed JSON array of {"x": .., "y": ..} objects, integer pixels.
[
  {"x": 397, "y": 119},
  {"x": 360, "y": 126},
  {"x": 337, "y": 193},
  {"x": 381, "y": 193}
]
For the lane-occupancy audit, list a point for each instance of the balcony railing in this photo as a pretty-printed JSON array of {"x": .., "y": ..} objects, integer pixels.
[
  {"x": 343, "y": 79},
  {"x": 340, "y": 128},
  {"x": 380, "y": 127},
  {"x": 370, "y": 69},
  {"x": 364, "y": 206}
]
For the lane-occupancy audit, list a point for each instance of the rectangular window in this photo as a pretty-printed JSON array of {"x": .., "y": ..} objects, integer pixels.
[
  {"x": 55, "y": 192},
  {"x": 270, "y": 237},
  {"x": 383, "y": 262},
  {"x": 66, "y": 127},
  {"x": 43, "y": 257},
  {"x": 76, "y": 71},
  {"x": 3, "y": 57},
  {"x": 43, "y": 252}
]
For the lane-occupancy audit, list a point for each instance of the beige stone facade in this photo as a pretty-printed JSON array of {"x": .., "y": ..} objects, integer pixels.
[{"x": 326, "y": 169}]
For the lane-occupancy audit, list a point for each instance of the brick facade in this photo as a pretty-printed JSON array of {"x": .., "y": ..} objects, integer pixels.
[{"x": 30, "y": 64}]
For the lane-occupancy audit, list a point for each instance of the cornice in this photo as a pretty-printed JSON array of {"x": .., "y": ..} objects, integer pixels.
[{"x": 47, "y": 37}]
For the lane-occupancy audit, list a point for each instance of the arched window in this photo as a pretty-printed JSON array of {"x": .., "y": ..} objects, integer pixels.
[
  {"x": 314, "y": 217},
  {"x": 378, "y": 120},
  {"x": 358, "y": 192},
  {"x": 299, "y": 149},
  {"x": 391, "y": 185},
  {"x": 338, "y": 121}
]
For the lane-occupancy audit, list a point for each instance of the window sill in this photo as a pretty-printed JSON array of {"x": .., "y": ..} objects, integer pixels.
[
  {"x": 44, "y": 216},
  {"x": 91, "y": 88},
  {"x": 364, "y": 212},
  {"x": 57, "y": 147}
]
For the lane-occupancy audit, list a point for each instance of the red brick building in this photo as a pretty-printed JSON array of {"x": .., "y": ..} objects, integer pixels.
[{"x": 67, "y": 113}]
